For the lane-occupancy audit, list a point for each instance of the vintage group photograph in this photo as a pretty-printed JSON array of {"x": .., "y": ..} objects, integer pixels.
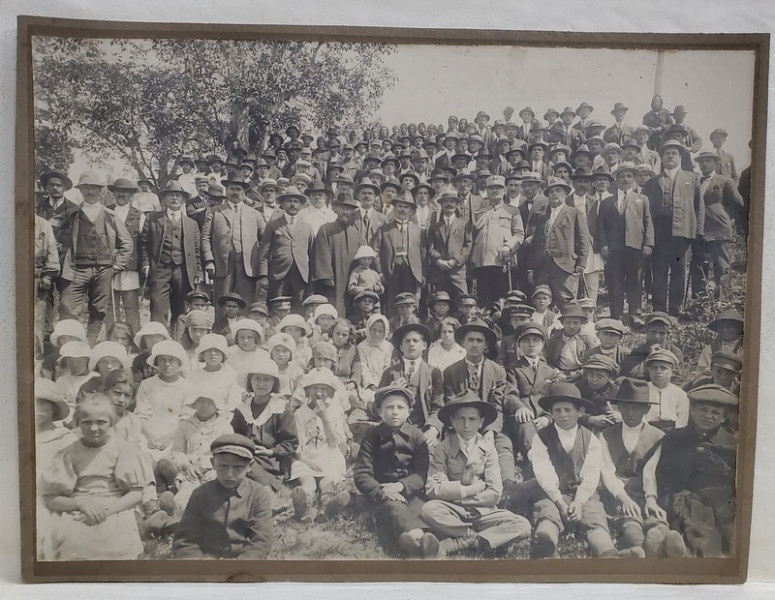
[{"x": 302, "y": 299}]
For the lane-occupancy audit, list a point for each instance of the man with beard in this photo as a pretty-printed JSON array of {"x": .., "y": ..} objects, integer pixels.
[{"x": 333, "y": 251}]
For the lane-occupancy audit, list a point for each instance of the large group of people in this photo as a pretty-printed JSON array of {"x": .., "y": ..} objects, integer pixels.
[{"x": 435, "y": 327}]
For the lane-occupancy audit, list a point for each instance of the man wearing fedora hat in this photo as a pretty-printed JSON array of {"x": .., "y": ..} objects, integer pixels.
[
  {"x": 170, "y": 256},
  {"x": 723, "y": 203},
  {"x": 400, "y": 246},
  {"x": 583, "y": 111},
  {"x": 574, "y": 137},
  {"x": 334, "y": 249},
  {"x": 561, "y": 240},
  {"x": 283, "y": 255},
  {"x": 694, "y": 468},
  {"x": 482, "y": 128},
  {"x": 230, "y": 239},
  {"x": 619, "y": 131},
  {"x": 678, "y": 215},
  {"x": 449, "y": 245},
  {"x": 96, "y": 245},
  {"x": 367, "y": 219},
  {"x": 626, "y": 239},
  {"x": 126, "y": 284}
]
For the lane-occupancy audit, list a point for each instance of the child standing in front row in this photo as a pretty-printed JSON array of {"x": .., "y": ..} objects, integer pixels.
[{"x": 364, "y": 277}]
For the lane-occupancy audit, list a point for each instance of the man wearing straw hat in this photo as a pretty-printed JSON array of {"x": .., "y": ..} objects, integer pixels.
[
  {"x": 283, "y": 255},
  {"x": 96, "y": 246}
]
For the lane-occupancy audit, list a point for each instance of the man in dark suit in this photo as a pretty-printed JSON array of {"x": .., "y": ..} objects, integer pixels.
[
  {"x": 626, "y": 237},
  {"x": 679, "y": 217},
  {"x": 400, "y": 247},
  {"x": 562, "y": 238},
  {"x": 532, "y": 204},
  {"x": 619, "y": 132},
  {"x": 169, "y": 255},
  {"x": 231, "y": 236},
  {"x": 487, "y": 379},
  {"x": 283, "y": 255},
  {"x": 367, "y": 219},
  {"x": 722, "y": 201},
  {"x": 449, "y": 245}
]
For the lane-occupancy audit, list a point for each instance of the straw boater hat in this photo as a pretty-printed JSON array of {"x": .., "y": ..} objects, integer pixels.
[
  {"x": 465, "y": 399},
  {"x": 47, "y": 390},
  {"x": 563, "y": 392}
]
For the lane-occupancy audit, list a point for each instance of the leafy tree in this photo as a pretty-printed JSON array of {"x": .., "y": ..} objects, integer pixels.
[{"x": 146, "y": 102}]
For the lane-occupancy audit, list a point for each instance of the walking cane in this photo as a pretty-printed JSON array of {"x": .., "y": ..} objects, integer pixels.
[{"x": 113, "y": 298}]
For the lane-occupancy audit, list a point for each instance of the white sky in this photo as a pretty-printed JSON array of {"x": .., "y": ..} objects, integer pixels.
[{"x": 716, "y": 87}]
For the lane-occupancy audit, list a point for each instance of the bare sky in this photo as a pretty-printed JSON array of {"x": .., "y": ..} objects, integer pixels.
[{"x": 436, "y": 81}]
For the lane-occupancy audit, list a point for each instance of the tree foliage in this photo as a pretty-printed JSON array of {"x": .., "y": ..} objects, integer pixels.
[{"x": 146, "y": 102}]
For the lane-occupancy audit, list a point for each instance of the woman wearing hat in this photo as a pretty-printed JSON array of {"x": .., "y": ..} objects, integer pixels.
[{"x": 265, "y": 419}]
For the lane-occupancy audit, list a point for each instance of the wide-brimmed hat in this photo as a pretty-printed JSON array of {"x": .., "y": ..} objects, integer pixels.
[
  {"x": 150, "y": 328},
  {"x": 74, "y": 350},
  {"x": 624, "y": 167},
  {"x": 478, "y": 326},
  {"x": 632, "y": 391},
  {"x": 249, "y": 325},
  {"x": 69, "y": 327},
  {"x": 290, "y": 193},
  {"x": 233, "y": 296},
  {"x": 90, "y": 178},
  {"x": 619, "y": 106},
  {"x": 234, "y": 178},
  {"x": 563, "y": 392},
  {"x": 168, "y": 348},
  {"x": 584, "y": 105},
  {"x": 571, "y": 310},
  {"x": 108, "y": 349},
  {"x": 711, "y": 393},
  {"x": 68, "y": 184},
  {"x": 213, "y": 341},
  {"x": 707, "y": 153},
  {"x": 259, "y": 364},
  {"x": 727, "y": 316},
  {"x": 465, "y": 399},
  {"x": 556, "y": 182},
  {"x": 123, "y": 184},
  {"x": 320, "y": 376},
  {"x": 174, "y": 186},
  {"x": 345, "y": 199},
  {"x": 47, "y": 390},
  {"x": 481, "y": 114},
  {"x": 601, "y": 362},
  {"x": 398, "y": 334},
  {"x": 294, "y": 320}
]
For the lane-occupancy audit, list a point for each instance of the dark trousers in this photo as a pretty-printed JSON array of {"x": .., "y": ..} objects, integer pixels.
[
  {"x": 169, "y": 287},
  {"x": 669, "y": 263},
  {"x": 235, "y": 280},
  {"x": 455, "y": 287},
  {"x": 292, "y": 285},
  {"x": 564, "y": 285},
  {"x": 131, "y": 301},
  {"x": 491, "y": 283},
  {"x": 623, "y": 275},
  {"x": 393, "y": 518},
  {"x": 91, "y": 285},
  {"x": 402, "y": 280},
  {"x": 505, "y": 457},
  {"x": 704, "y": 254}
]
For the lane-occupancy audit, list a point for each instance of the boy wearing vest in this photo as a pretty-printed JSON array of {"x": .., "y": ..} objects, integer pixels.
[
  {"x": 566, "y": 460},
  {"x": 625, "y": 448}
]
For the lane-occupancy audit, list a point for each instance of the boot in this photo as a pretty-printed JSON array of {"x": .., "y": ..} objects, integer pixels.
[
  {"x": 300, "y": 505},
  {"x": 545, "y": 540},
  {"x": 674, "y": 547},
  {"x": 429, "y": 545},
  {"x": 458, "y": 544},
  {"x": 409, "y": 545}
]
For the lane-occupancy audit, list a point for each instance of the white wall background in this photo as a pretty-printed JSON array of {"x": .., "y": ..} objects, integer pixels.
[{"x": 669, "y": 16}]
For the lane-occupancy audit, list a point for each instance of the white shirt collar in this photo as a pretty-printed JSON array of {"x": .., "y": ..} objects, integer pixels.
[
  {"x": 91, "y": 211},
  {"x": 567, "y": 437},
  {"x": 671, "y": 173},
  {"x": 173, "y": 215}
]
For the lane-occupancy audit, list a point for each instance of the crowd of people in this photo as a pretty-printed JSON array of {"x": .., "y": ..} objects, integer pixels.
[{"x": 425, "y": 326}]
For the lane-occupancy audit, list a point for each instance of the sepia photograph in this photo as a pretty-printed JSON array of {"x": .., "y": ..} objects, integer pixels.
[{"x": 316, "y": 297}]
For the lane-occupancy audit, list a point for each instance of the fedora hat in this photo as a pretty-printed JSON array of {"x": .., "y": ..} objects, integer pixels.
[
  {"x": 186, "y": 160},
  {"x": 584, "y": 105},
  {"x": 671, "y": 143},
  {"x": 573, "y": 310},
  {"x": 409, "y": 174},
  {"x": 467, "y": 398},
  {"x": 619, "y": 106},
  {"x": 549, "y": 112},
  {"x": 173, "y": 186},
  {"x": 423, "y": 186},
  {"x": 234, "y": 297},
  {"x": 730, "y": 316},
  {"x": 478, "y": 326},
  {"x": 292, "y": 192},
  {"x": 679, "y": 109},
  {"x": 393, "y": 183},
  {"x": 216, "y": 191},
  {"x": 612, "y": 147},
  {"x": 406, "y": 198},
  {"x": 563, "y": 392},
  {"x": 556, "y": 182},
  {"x": 568, "y": 110},
  {"x": 401, "y": 332},
  {"x": 234, "y": 178},
  {"x": 345, "y": 199},
  {"x": 366, "y": 184},
  {"x": 481, "y": 114},
  {"x": 90, "y": 178},
  {"x": 581, "y": 174},
  {"x": 527, "y": 109},
  {"x": 624, "y": 167},
  {"x": 68, "y": 184},
  {"x": 268, "y": 183},
  {"x": 707, "y": 153},
  {"x": 632, "y": 391}
]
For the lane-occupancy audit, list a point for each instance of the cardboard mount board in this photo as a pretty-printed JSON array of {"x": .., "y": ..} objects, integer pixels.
[{"x": 717, "y": 570}]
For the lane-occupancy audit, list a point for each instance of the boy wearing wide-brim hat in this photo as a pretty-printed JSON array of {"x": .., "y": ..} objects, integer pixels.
[
  {"x": 400, "y": 246},
  {"x": 464, "y": 483},
  {"x": 695, "y": 469},
  {"x": 625, "y": 448},
  {"x": 729, "y": 329},
  {"x": 231, "y": 307},
  {"x": 566, "y": 347},
  {"x": 390, "y": 471},
  {"x": 230, "y": 517},
  {"x": 414, "y": 373},
  {"x": 566, "y": 459}
]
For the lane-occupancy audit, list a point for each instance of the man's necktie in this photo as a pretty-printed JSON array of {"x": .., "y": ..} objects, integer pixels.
[
  {"x": 473, "y": 378},
  {"x": 409, "y": 370}
]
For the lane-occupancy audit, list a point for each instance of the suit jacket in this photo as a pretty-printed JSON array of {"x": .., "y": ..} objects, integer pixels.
[
  {"x": 566, "y": 241},
  {"x": 618, "y": 135},
  {"x": 555, "y": 344},
  {"x": 688, "y": 218},
  {"x": 368, "y": 230},
  {"x": 494, "y": 386},
  {"x": 638, "y": 227},
  {"x": 428, "y": 388},
  {"x": 119, "y": 240},
  {"x": 470, "y": 206},
  {"x": 494, "y": 229},
  {"x": 727, "y": 167},
  {"x": 453, "y": 243},
  {"x": 386, "y": 242},
  {"x": 276, "y": 214},
  {"x": 217, "y": 233},
  {"x": 282, "y": 247},
  {"x": 722, "y": 202},
  {"x": 531, "y": 385},
  {"x": 152, "y": 237}
]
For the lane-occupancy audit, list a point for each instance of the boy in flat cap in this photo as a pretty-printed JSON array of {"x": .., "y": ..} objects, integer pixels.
[
  {"x": 391, "y": 470},
  {"x": 671, "y": 407},
  {"x": 231, "y": 516},
  {"x": 658, "y": 328},
  {"x": 464, "y": 484},
  {"x": 413, "y": 373},
  {"x": 609, "y": 333},
  {"x": 406, "y": 305},
  {"x": 695, "y": 475},
  {"x": 626, "y": 447}
]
